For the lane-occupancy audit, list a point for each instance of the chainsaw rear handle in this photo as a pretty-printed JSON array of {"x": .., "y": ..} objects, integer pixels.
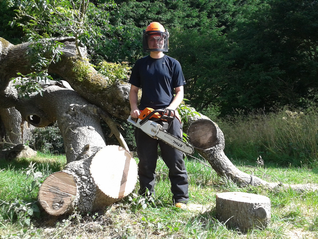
[
  {"x": 154, "y": 115},
  {"x": 166, "y": 114}
]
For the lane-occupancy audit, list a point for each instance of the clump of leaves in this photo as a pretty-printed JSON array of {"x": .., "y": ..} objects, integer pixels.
[
  {"x": 48, "y": 140},
  {"x": 30, "y": 83},
  {"x": 187, "y": 112},
  {"x": 114, "y": 71}
]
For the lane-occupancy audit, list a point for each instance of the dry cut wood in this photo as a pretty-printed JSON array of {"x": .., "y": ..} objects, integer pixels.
[
  {"x": 243, "y": 211},
  {"x": 114, "y": 171}
]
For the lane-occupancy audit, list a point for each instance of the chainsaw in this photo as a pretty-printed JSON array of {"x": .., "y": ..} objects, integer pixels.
[{"x": 155, "y": 123}]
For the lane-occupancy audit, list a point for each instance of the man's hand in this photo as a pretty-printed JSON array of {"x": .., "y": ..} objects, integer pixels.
[
  {"x": 134, "y": 113},
  {"x": 169, "y": 112}
]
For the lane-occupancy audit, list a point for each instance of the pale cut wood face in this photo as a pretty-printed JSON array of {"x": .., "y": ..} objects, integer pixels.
[{"x": 114, "y": 171}]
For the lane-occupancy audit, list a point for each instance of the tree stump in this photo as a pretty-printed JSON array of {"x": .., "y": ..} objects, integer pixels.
[
  {"x": 91, "y": 184},
  {"x": 244, "y": 211}
]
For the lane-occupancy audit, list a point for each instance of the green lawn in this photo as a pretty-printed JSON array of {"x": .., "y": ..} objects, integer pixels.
[{"x": 293, "y": 214}]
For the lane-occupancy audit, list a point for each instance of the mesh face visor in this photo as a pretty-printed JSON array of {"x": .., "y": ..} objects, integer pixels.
[{"x": 156, "y": 41}]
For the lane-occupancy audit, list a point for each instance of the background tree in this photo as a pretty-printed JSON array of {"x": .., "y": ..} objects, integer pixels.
[
  {"x": 274, "y": 58},
  {"x": 242, "y": 54}
]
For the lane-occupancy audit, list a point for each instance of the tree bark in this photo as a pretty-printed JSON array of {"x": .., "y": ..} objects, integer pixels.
[
  {"x": 14, "y": 129},
  {"x": 90, "y": 184}
]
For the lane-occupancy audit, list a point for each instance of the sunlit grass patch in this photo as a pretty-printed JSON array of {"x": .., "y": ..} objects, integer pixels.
[{"x": 292, "y": 212}]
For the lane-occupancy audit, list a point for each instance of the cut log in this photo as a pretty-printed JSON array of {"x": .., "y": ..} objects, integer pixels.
[
  {"x": 243, "y": 211},
  {"x": 91, "y": 184}
]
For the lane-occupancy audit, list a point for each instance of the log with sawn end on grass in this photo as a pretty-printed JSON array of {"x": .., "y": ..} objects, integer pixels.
[{"x": 91, "y": 184}]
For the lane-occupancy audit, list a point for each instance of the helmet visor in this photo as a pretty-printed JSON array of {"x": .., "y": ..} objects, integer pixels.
[{"x": 156, "y": 41}]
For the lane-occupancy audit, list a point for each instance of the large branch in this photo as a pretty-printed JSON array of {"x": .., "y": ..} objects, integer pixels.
[
  {"x": 78, "y": 72},
  {"x": 77, "y": 120},
  {"x": 208, "y": 140}
]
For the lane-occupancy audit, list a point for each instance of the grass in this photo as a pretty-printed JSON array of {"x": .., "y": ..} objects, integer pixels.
[
  {"x": 292, "y": 213},
  {"x": 287, "y": 142},
  {"x": 286, "y": 137}
]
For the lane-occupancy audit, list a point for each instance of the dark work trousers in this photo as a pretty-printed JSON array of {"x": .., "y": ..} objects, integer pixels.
[{"x": 147, "y": 149}]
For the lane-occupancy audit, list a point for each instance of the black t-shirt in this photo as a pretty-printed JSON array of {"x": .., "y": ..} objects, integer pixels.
[{"x": 157, "y": 78}]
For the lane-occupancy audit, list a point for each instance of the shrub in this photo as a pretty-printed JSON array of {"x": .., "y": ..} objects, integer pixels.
[{"x": 47, "y": 140}]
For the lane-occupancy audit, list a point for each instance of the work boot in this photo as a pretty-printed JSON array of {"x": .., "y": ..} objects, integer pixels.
[{"x": 181, "y": 205}]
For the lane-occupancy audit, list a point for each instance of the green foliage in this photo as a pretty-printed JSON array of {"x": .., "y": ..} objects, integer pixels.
[
  {"x": 274, "y": 57},
  {"x": 203, "y": 64},
  {"x": 54, "y": 18},
  {"x": 186, "y": 112},
  {"x": 8, "y": 32},
  {"x": 236, "y": 55},
  {"x": 30, "y": 83},
  {"x": 114, "y": 71},
  {"x": 18, "y": 209},
  {"x": 47, "y": 140}
]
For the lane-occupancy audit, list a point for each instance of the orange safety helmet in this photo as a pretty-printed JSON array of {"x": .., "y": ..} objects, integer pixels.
[{"x": 155, "y": 28}]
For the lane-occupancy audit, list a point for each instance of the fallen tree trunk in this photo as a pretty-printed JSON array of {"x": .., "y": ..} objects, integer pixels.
[
  {"x": 208, "y": 140},
  {"x": 78, "y": 72},
  {"x": 81, "y": 132},
  {"x": 91, "y": 184}
]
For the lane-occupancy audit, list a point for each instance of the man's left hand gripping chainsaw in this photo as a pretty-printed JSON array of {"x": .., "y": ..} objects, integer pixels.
[{"x": 147, "y": 122}]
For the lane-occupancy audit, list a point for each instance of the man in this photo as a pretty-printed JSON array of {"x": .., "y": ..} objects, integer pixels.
[{"x": 161, "y": 79}]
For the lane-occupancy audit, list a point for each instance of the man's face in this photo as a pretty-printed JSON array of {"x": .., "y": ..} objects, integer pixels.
[{"x": 155, "y": 41}]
